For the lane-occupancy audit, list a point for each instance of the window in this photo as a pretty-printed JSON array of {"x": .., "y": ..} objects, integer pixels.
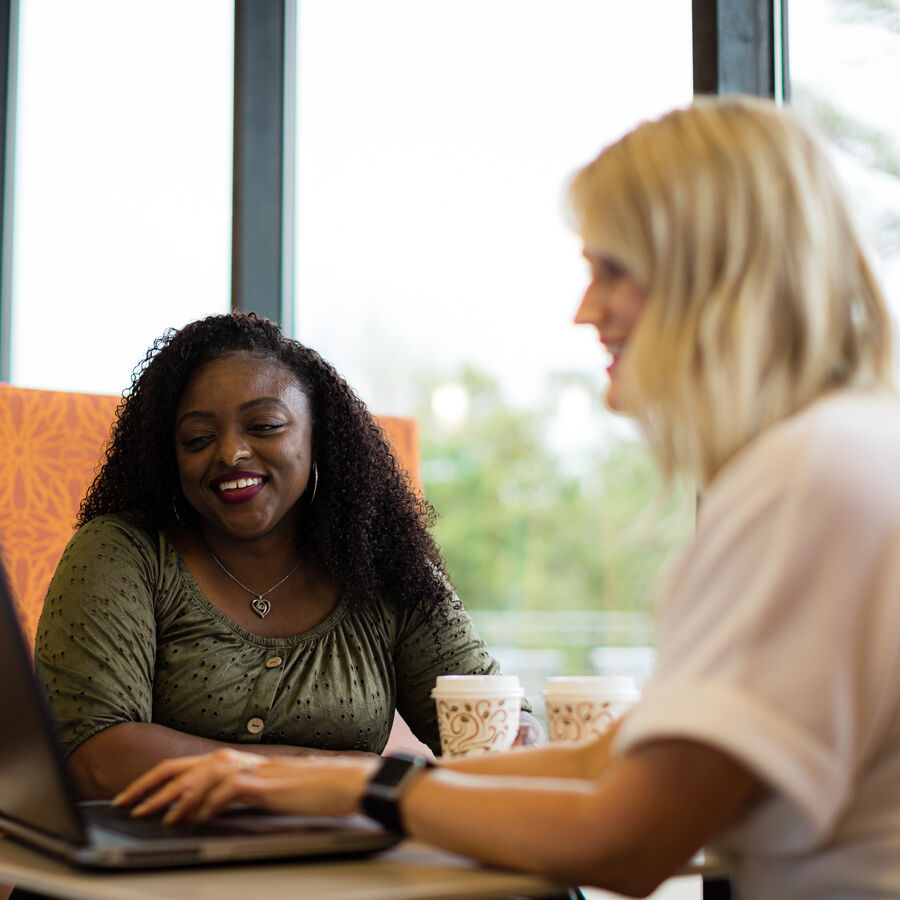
[
  {"x": 844, "y": 55},
  {"x": 123, "y": 183},
  {"x": 436, "y": 270}
]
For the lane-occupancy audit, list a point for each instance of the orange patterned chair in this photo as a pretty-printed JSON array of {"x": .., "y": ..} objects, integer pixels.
[{"x": 52, "y": 444}]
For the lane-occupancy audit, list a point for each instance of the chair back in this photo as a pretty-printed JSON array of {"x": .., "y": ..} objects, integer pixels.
[{"x": 53, "y": 444}]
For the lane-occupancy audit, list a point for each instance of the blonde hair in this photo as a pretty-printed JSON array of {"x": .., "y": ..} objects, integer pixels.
[{"x": 759, "y": 295}]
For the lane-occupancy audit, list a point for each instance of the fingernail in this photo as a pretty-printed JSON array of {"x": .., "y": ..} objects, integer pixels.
[
  {"x": 117, "y": 800},
  {"x": 169, "y": 817},
  {"x": 139, "y": 809}
]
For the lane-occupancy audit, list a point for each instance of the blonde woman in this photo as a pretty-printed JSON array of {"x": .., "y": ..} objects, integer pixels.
[{"x": 749, "y": 338}]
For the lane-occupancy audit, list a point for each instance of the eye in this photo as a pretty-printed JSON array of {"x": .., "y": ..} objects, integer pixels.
[
  {"x": 605, "y": 270},
  {"x": 266, "y": 427},
  {"x": 608, "y": 270},
  {"x": 195, "y": 442}
]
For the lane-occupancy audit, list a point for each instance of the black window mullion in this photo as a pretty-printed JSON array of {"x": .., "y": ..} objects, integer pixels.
[
  {"x": 736, "y": 47},
  {"x": 262, "y": 229},
  {"x": 9, "y": 42}
]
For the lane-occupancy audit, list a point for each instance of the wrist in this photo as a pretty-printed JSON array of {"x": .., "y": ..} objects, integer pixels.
[{"x": 382, "y": 791}]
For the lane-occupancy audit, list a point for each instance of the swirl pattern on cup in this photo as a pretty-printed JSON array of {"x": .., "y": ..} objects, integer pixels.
[
  {"x": 477, "y": 726},
  {"x": 578, "y": 720}
]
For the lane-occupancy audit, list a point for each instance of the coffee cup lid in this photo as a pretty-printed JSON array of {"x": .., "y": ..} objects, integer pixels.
[
  {"x": 489, "y": 685},
  {"x": 622, "y": 686}
]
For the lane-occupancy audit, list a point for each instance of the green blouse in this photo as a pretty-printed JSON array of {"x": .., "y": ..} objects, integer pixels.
[{"x": 126, "y": 635}]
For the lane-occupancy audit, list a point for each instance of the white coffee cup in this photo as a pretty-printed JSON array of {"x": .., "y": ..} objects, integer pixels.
[
  {"x": 580, "y": 707},
  {"x": 477, "y": 713}
]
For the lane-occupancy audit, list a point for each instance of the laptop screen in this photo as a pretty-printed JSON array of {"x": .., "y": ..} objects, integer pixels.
[{"x": 34, "y": 787}]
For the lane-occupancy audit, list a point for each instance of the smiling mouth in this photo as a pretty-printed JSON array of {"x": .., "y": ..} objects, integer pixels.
[
  {"x": 238, "y": 483},
  {"x": 613, "y": 351}
]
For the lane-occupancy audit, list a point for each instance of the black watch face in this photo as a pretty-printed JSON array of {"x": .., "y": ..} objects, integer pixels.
[{"x": 392, "y": 770}]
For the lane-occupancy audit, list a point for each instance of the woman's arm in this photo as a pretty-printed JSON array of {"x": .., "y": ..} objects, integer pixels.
[
  {"x": 105, "y": 763},
  {"x": 560, "y": 760},
  {"x": 627, "y": 829}
]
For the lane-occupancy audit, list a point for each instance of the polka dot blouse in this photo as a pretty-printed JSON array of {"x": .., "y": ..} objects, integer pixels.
[{"x": 126, "y": 635}]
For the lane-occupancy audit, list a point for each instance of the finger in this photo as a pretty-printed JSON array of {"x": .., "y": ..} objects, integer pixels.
[
  {"x": 188, "y": 792},
  {"x": 151, "y": 779},
  {"x": 184, "y": 809},
  {"x": 180, "y": 809},
  {"x": 235, "y": 789},
  {"x": 191, "y": 780},
  {"x": 165, "y": 796}
]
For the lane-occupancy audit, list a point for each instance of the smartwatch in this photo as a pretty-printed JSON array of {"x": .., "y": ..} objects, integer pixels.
[{"x": 393, "y": 777}]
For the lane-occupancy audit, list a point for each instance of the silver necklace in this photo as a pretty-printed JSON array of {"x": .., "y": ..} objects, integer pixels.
[{"x": 258, "y": 604}]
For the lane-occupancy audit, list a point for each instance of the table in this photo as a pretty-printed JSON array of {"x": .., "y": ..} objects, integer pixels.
[{"x": 409, "y": 871}]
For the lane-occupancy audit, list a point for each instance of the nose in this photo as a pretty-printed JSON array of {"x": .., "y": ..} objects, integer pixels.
[
  {"x": 232, "y": 448},
  {"x": 591, "y": 310}
]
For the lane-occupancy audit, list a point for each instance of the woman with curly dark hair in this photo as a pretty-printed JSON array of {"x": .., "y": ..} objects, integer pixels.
[{"x": 252, "y": 569}]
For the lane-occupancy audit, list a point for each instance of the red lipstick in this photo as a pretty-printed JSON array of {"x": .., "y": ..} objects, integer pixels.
[{"x": 238, "y": 486}]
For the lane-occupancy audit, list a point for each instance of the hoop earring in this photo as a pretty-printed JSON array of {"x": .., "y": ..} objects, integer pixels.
[{"x": 315, "y": 468}]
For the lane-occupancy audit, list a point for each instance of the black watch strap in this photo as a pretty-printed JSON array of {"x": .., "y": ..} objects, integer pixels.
[{"x": 393, "y": 776}]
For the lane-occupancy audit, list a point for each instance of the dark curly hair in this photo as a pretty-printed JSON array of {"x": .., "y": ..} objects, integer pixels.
[{"x": 368, "y": 529}]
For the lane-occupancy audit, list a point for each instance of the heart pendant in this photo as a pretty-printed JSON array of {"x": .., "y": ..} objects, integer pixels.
[{"x": 260, "y": 606}]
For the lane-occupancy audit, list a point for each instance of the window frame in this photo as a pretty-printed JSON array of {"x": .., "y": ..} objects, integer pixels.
[{"x": 738, "y": 45}]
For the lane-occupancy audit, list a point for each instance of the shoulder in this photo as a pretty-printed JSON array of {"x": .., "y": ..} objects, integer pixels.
[
  {"x": 867, "y": 422},
  {"x": 116, "y": 534},
  {"x": 125, "y": 522},
  {"x": 839, "y": 451},
  {"x": 818, "y": 493},
  {"x": 389, "y": 618}
]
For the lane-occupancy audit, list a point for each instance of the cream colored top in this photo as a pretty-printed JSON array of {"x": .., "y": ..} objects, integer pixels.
[{"x": 779, "y": 636}]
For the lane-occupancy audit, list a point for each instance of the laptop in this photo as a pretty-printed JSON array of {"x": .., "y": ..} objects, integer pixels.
[{"x": 38, "y": 804}]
